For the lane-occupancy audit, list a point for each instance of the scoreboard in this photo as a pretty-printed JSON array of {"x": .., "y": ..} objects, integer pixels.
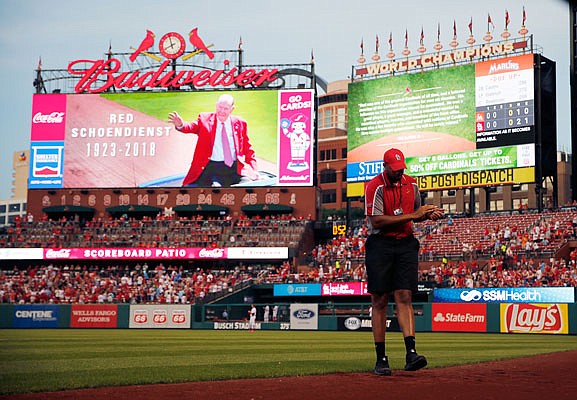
[
  {"x": 505, "y": 104},
  {"x": 461, "y": 126}
]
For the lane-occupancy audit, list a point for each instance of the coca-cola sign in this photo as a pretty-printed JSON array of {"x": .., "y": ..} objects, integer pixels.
[
  {"x": 534, "y": 318},
  {"x": 211, "y": 253},
  {"x": 58, "y": 253},
  {"x": 101, "y": 75},
  {"x": 52, "y": 118}
]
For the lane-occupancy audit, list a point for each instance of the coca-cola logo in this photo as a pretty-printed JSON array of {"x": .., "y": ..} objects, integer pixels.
[
  {"x": 52, "y": 118},
  {"x": 546, "y": 318},
  {"x": 211, "y": 253},
  {"x": 61, "y": 253}
]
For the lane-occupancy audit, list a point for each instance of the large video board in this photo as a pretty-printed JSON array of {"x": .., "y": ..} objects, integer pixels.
[
  {"x": 124, "y": 140},
  {"x": 462, "y": 126}
]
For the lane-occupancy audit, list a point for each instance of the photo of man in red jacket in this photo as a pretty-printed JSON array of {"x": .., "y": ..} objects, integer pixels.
[{"x": 223, "y": 155}]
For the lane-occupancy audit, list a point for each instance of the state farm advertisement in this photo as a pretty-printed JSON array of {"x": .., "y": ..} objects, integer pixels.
[
  {"x": 159, "y": 316},
  {"x": 94, "y": 316},
  {"x": 535, "y": 318},
  {"x": 451, "y": 317}
]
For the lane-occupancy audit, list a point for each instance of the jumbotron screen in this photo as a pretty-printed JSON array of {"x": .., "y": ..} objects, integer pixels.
[
  {"x": 462, "y": 126},
  {"x": 124, "y": 140}
]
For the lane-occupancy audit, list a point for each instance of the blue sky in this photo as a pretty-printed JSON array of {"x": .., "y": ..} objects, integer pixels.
[{"x": 60, "y": 31}]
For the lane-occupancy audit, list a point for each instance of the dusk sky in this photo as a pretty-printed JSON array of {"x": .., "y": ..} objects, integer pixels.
[{"x": 61, "y": 31}]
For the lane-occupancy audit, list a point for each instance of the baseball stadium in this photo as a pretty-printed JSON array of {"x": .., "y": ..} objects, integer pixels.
[{"x": 126, "y": 277}]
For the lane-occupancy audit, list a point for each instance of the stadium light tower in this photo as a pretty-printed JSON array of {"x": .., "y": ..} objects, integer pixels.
[{"x": 573, "y": 85}]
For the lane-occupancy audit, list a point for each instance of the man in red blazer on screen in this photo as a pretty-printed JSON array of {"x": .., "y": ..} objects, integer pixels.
[{"x": 223, "y": 155}]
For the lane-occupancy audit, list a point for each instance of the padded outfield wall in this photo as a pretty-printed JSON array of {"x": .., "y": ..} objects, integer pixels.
[{"x": 491, "y": 310}]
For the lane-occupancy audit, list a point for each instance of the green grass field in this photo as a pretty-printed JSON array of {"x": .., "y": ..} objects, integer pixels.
[{"x": 45, "y": 360}]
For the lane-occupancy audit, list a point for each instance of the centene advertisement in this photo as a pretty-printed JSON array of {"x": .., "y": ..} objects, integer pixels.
[
  {"x": 304, "y": 316},
  {"x": 124, "y": 139},
  {"x": 505, "y": 295},
  {"x": 36, "y": 316},
  {"x": 197, "y": 253},
  {"x": 159, "y": 316},
  {"x": 344, "y": 289},
  {"x": 534, "y": 318},
  {"x": 94, "y": 316},
  {"x": 452, "y": 317}
]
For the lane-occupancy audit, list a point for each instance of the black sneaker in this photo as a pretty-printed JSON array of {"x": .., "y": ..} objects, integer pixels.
[
  {"x": 382, "y": 367},
  {"x": 415, "y": 361}
]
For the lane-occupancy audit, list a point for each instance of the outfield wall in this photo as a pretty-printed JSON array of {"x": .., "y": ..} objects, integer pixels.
[{"x": 550, "y": 318}]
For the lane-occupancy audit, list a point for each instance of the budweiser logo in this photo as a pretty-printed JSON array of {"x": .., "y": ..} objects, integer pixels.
[
  {"x": 61, "y": 253},
  {"x": 211, "y": 253},
  {"x": 102, "y": 75},
  {"x": 533, "y": 318},
  {"x": 52, "y": 118}
]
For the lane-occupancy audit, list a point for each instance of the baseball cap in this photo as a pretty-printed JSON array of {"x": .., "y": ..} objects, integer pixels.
[{"x": 395, "y": 158}]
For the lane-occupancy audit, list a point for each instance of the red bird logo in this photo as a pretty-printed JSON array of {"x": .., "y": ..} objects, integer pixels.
[
  {"x": 197, "y": 42},
  {"x": 146, "y": 44}
]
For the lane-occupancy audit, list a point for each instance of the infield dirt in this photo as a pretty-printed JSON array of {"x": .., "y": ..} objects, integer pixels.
[{"x": 549, "y": 376}]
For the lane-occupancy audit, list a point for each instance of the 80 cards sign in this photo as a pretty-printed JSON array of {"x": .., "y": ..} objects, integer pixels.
[{"x": 159, "y": 316}]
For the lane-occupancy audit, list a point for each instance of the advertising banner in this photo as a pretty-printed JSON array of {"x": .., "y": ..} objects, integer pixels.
[
  {"x": 459, "y": 317},
  {"x": 304, "y": 316},
  {"x": 295, "y": 138},
  {"x": 297, "y": 289},
  {"x": 344, "y": 289},
  {"x": 36, "y": 316},
  {"x": 534, "y": 318},
  {"x": 235, "y": 326},
  {"x": 257, "y": 253},
  {"x": 21, "y": 254},
  {"x": 130, "y": 253},
  {"x": 94, "y": 316},
  {"x": 365, "y": 324},
  {"x": 47, "y": 135},
  {"x": 159, "y": 316},
  {"x": 505, "y": 295}
]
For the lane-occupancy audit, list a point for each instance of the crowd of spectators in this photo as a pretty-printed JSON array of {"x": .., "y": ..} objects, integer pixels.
[
  {"x": 496, "y": 251},
  {"x": 161, "y": 232},
  {"x": 166, "y": 284}
]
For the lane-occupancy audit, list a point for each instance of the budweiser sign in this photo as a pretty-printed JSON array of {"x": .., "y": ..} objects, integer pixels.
[
  {"x": 534, "y": 318},
  {"x": 52, "y": 118},
  {"x": 102, "y": 75}
]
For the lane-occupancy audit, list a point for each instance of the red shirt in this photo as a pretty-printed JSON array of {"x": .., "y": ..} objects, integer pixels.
[{"x": 384, "y": 198}]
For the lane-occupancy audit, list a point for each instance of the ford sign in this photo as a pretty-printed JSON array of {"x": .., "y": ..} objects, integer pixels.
[{"x": 303, "y": 313}]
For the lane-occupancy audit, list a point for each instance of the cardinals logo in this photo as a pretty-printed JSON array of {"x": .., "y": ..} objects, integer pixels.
[
  {"x": 173, "y": 47},
  {"x": 198, "y": 43},
  {"x": 146, "y": 44}
]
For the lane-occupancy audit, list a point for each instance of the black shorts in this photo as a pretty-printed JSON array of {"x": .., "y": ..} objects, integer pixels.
[{"x": 391, "y": 264}]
